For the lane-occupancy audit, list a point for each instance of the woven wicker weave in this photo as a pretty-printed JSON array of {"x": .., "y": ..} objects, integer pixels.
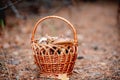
[{"x": 57, "y": 58}]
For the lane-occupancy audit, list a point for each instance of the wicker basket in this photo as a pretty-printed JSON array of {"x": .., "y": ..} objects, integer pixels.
[{"x": 57, "y": 58}]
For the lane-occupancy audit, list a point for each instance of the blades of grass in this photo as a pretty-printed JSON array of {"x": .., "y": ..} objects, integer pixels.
[{"x": 2, "y": 24}]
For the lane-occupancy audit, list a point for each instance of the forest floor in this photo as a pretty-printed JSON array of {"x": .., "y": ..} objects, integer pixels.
[{"x": 98, "y": 50}]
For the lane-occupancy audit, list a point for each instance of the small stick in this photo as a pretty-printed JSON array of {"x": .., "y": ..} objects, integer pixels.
[{"x": 15, "y": 10}]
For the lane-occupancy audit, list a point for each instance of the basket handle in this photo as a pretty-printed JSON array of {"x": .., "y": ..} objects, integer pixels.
[{"x": 57, "y": 17}]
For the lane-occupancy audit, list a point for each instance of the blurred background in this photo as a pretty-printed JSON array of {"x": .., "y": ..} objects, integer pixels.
[{"x": 98, "y": 30}]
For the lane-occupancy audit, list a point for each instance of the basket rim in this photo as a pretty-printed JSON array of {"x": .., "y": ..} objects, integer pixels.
[{"x": 71, "y": 42}]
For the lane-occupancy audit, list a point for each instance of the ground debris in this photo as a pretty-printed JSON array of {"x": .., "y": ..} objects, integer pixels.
[{"x": 98, "y": 52}]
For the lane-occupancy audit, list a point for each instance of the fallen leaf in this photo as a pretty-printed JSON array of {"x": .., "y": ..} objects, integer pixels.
[{"x": 63, "y": 77}]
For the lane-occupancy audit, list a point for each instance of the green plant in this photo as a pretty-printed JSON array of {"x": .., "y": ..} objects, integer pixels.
[{"x": 2, "y": 23}]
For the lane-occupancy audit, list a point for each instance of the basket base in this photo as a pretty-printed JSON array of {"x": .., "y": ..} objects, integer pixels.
[{"x": 48, "y": 75}]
